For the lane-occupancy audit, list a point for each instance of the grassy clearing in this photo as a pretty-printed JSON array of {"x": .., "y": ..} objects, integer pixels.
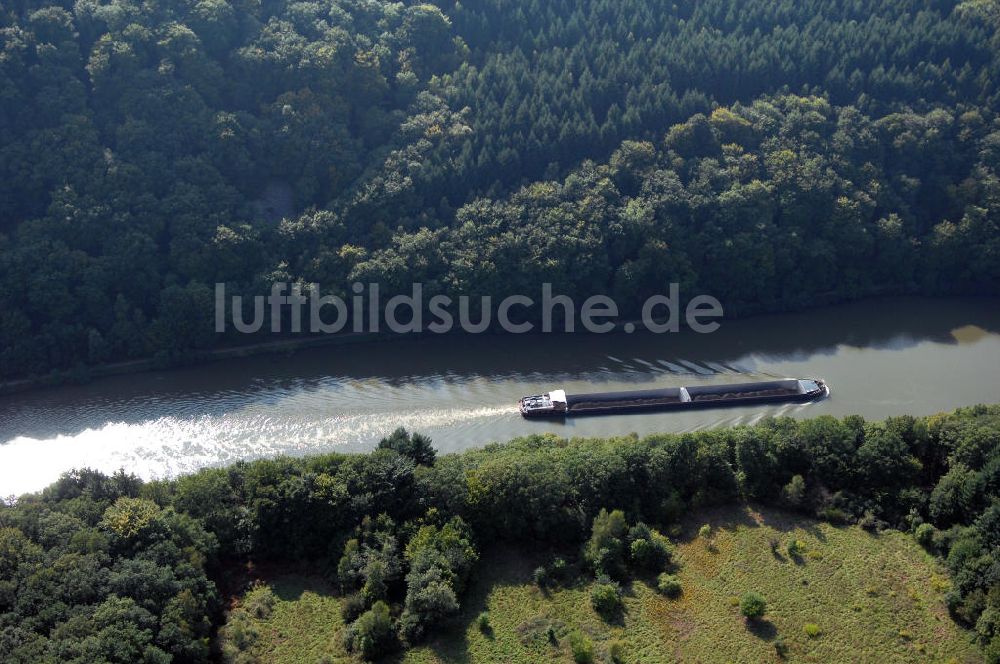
[
  {"x": 303, "y": 626},
  {"x": 850, "y": 596}
]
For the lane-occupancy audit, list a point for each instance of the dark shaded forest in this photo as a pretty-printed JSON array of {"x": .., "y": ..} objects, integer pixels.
[
  {"x": 774, "y": 154},
  {"x": 112, "y": 569}
]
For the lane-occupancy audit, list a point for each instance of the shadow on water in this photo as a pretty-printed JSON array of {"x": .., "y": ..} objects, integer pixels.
[{"x": 388, "y": 370}]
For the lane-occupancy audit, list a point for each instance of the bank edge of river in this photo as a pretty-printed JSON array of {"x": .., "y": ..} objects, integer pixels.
[{"x": 84, "y": 374}]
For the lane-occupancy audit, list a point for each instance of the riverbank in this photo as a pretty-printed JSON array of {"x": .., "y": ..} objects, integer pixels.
[
  {"x": 835, "y": 539},
  {"x": 85, "y": 374}
]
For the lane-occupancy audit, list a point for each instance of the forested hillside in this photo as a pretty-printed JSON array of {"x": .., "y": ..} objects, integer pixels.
[
  {"x": 111, "y": 569},
  {"x": 766, "y": 152}
]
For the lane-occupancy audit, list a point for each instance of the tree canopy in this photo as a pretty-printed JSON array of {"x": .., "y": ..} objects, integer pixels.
[{"x": 770, "y": 153}]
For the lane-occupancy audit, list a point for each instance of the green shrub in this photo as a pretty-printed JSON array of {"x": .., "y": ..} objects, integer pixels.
[
  {"x": 795, "y": 548},
  {"x": 259, "y": 602},
  {"x": 705, "y": 532},
  {"x": 992, "y": 651},
  {"x": 581, "y": 647},
  {"x": 794, "y": 492},
  {"x": 649, "y": 551},
  {"x": 558, "y": 570},
  {"x": 352, "y": 607},
  {"x": 924, "y": 534},
  {"x": 540, "y": 577},
  {"x": 240, "y": 634},
  {"x": 780, "y": 648},
  {"x": 752, "y": 605},
  {"x": 371, "y": 635},
  {"x": 812, "y": 630},
  {"x": 669, "y": 585},
  {"x": 833, "y": 515},
  {"x": 605, "y": 551},
  {"x": 414, "y": 446},
  {"x": 483, "y": 621},
  {"x": 606, "y": 598}
]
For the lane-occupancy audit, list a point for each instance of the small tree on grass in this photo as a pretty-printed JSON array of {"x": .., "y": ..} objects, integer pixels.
[
  {"x": 705, "y": 532},
  {"x": 925, "y": 535},
  {"x": 649, "y": 551},
  {"x": 581, "y": 647},
  {"x": 605, "y": 551},
  {"x": 606, "y": 598},
  {"x": 752, "y": 605},
  {"x": 669, "y": 585},
  {"x": 372, "y": 634},
  {"x": 616, "y": 652}
]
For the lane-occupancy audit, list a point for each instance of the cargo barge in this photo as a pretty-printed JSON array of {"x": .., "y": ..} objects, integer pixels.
[{"x": 559, "y": 404}]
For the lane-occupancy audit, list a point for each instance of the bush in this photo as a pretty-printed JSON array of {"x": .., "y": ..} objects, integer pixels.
[
  {"x": 669, "y": 585},
  {"x": 559, "y": 571},
  {"x": 795, "y": 548},
  {"x": 371, "y": 635},
  {"x": 541, "y": 577},
  {"x": 605, "y": 551},
  {"x": 705, "y": 532},
  {"x": 752, "y": 605},
  {"x": 352, "y": 607},
  {"x": 581, "y": 647},
  {"x": 780, "y": 648},
  {"x": 430, "y": 600},
  {"x": 649, "y": 551},
  {"x": 483, "y": 621},
  {"x": 606, "y": 598},
  {"x": 413, "y": 446},
  {"x": 992, "y": 651},
  {"x": 833, "y": 515},
  {"x": 812, "y": 630},
  {"x": 259, "y": 602},
  {"x": 794, "y": 492},
  {"x": 924, "y": 534}
]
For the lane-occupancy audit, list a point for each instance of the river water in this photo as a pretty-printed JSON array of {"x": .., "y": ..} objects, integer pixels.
[{"x": 880, "y": 357}]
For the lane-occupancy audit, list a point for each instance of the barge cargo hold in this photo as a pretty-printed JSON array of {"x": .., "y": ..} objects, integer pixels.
[{"x": 559, "y": 404}]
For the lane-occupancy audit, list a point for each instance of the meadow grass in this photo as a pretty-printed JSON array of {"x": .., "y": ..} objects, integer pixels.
[
  {"x": 848, "y": 596},
  {"x": 304, "y": 625}
]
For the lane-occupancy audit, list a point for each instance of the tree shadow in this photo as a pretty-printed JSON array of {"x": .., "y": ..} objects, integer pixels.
[
  {"x": 721, "y": 517},
  {"x": 762, "y": 628}
]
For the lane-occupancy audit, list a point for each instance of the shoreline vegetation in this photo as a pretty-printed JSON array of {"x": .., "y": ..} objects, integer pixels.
[
  {"x": 148, "y": 154},
  {"x": 900, "y": 617},
  {"x": 98, "y": 568}
]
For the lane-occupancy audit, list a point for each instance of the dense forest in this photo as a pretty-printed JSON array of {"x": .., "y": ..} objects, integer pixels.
[
  {"x": 112, "y": 569},
  {"x": 771, "y": 153}
]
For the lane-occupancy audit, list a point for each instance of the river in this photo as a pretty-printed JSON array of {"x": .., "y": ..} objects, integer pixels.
[{"x": 880, "y": 357}]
